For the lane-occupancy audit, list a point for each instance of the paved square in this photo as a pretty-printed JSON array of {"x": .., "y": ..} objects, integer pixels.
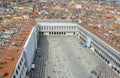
[{"x": 64, "y": 57}]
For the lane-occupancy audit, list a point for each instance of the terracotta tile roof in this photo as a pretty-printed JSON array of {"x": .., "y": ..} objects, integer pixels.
[
  {"x": 10, "y": 54},
  {"x": 102, "y": 14},
  {"x": 9, "y": 59},
  {"x": 93, "y": 15}
]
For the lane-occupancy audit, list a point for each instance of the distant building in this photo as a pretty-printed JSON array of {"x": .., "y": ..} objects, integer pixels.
[
  {"x": 114, "y": 1},
  {"x": 43, "y": 0},
  {"x": 25, "y": 9},
  {"x": 1, "y": 4}
]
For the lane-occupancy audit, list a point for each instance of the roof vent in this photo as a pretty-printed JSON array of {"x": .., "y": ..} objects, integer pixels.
[
  {"x": 1, "y": 67},
  {"x": 3, "y": 74},
  {"x": 10, "y": 58},
  {"x": 17, "y": 50},
  {"x": 1, "y": 62}
]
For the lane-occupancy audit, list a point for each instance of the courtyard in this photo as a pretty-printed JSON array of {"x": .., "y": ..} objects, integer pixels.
[{"x": 64, "y": 57}]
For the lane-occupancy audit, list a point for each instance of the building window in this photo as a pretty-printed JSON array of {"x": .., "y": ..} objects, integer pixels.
[
  {"x": 22, "y": 72},
  {"x": 22, "y": 59},
  {"x": 52, "y": 28},
  {"x": 18, "y": 67},
  {"x": 44, "y": 28},
  {"x": 20, "y": 63},
  {"x": 47, "y": 28},
  {"x": 17, "y": 72},
  {"x": 14, "y": 76},
  {"x": 23, "y": 67},
  {"x": 20, "y": 76}
]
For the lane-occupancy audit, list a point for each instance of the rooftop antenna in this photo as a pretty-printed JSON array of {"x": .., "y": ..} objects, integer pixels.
[
  {"x": 108, "y": 2},
  {"x": 1, "y": 3},
  {"x": 16, "y": 2},
  {"x": 99, "y": 3},
  {"x": 98, "y": 13}
]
